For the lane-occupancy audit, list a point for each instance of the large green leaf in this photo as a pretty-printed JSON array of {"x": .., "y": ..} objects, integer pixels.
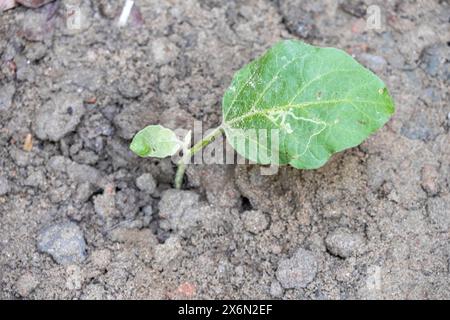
[{"x": 320, "y": 101}]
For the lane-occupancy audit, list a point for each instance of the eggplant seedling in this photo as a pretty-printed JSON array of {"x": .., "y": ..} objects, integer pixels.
[{"x": 319, "y": 101}]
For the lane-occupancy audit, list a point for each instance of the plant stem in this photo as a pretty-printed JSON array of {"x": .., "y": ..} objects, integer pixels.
[{"x": 190, "y": 152}]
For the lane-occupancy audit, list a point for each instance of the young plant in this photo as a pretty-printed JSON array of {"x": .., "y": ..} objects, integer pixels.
[{"x": 318, "y": 101}]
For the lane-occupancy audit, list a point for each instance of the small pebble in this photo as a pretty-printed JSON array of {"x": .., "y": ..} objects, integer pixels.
[
  {"x": 298, "y": 271},
  {"x": 177, "y": 209},
  {"x": 167, "y": 252},
  {"x": 129, "y": 89},
  {"x": 164, "y": 51},
  {"x": 344, "y": 243},
  {"x": 146, "y": 183},
  {"x": 83, "y": 192},
  {"x": 35, "y": 179},
  {"x": 255, "y": 221},
  {"x": 26, "y": 284},
  {"x": 63, "y": 112},
  {"x": 276, "y": 290},
  {"x": 64, "y": 242}
]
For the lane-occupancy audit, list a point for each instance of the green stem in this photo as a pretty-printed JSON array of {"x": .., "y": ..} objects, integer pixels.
[{"x": 190, "y": 152}]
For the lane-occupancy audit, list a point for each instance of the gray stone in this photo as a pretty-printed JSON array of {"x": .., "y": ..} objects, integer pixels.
[
  {"x": 77, "y": 172},
  {"x": 255, "y": 221},
  {"x": 147, "y": 210},
  {"x": 146, "y": 183},
  {"x": 59, "y": 117},
  {"x": 105, "y": 206},
  {"x": 26, "y": 284},
  {"x": 164, "y": 51},
  {"x": 6, "y": 96},
  {"x": 5, "y": 188},
  {"x": 175, "y": 208},
  {"x": 129, "y": 89},
  {"x": 298, "y": 271},
  {"x": 82, "y": 173},
  {"x": 434, "y": 60},
  {"x": 64, "y": 242},
  {"x": 35, "y": 179},
  {"x": 276, "y": 290},
  {"x": 83, "y": 192},
  {"x": 355, "y": 8},
  {"x": 299, "y": 18},
  {"x": 167, "y": 252},
  {"x": 343, "y": 243}
]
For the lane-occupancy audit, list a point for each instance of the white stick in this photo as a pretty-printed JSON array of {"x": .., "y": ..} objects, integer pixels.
[{"x": 125, "y": 13}]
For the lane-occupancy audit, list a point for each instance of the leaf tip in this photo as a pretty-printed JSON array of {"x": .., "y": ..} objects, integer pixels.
[{"x": 139, "y": 146}]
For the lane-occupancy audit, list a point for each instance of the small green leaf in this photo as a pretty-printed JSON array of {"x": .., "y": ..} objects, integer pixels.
[
  {"x": 320, "y": 100},
  {"x": 155, "y": 141}
]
